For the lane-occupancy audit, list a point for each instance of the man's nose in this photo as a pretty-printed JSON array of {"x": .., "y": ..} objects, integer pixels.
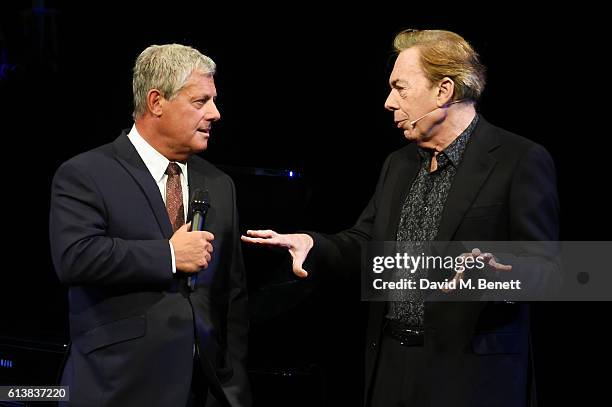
[
  {"x": 214, "y": 114},
  {"x": 390, "y": 102}
]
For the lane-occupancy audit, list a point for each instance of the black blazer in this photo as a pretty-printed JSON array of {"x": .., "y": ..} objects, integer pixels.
[
  {"x": 504, "y": 189},
  {"x": 131, "y": 324}
]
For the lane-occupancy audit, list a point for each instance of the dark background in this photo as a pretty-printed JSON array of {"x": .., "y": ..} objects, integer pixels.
[{"x": 301, "y": 87}]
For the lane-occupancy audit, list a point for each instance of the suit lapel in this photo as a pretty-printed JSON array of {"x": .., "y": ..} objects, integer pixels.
[
  {"x": 475, "y": 167},
  {"x": 405, "y": 175},
  {"x": 130, "y": 160}
]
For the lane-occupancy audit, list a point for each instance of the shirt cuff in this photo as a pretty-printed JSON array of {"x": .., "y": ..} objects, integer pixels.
[{"x": 173, "y": 259}]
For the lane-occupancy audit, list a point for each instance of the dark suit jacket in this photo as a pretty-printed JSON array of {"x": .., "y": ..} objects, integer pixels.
[
  {"x": 131, "y": 321},
  {"x": 504, "y": 190}
]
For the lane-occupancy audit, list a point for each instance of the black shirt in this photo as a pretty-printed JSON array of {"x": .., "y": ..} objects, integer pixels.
[{"x": 420, "y": 218}]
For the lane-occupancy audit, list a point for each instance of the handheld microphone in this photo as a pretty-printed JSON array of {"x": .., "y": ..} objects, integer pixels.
[
  {"x": 200, "y": 203},
  {"x": 414, "y": 122}
]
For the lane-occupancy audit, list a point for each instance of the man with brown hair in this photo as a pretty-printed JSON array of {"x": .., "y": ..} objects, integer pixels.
[{"x": 459, "y": 179}]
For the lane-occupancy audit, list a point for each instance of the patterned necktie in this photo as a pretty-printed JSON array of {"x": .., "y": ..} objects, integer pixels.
[{"x": 174, "y": 196}]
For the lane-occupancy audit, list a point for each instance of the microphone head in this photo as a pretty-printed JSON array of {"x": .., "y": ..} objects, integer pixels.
[{"x": 200, "y": 201}]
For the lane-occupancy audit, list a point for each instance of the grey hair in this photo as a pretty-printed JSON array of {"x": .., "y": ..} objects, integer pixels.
[{"x": 166, "y": 68}]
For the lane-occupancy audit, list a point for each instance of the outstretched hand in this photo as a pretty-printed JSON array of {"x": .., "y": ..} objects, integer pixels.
[
  {"x": 487, "y": 258},
  {"x": 298, "y": 244}
]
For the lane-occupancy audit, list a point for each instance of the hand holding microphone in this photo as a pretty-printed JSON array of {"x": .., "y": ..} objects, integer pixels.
[{"x": 193, "y": 249}]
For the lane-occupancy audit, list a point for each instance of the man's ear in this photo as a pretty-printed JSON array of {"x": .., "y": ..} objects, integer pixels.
[
  {"x": 446, "y": 90},
  {"x": 155, "y": 102}
]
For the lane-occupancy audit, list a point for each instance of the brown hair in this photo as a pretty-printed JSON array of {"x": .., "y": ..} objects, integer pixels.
[{"x": 446, "y": 54}]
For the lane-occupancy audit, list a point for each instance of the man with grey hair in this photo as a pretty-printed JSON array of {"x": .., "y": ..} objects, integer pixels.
[
  {"x": 158, "y": 311},
  {"x": 459, "y": 179}
]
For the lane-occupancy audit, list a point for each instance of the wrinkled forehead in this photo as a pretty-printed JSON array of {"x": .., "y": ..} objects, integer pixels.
[
  {"x": 198, "y": 76},
  {"x": 201, "y": 81}
]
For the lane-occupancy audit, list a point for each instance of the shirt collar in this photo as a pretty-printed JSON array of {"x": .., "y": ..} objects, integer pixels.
[
  {"x": 453, "y": 153},
  {"x": 156, "y": 163}
]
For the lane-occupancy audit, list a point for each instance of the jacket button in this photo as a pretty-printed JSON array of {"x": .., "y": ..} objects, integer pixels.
[{"x": 373, "y": 344}]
